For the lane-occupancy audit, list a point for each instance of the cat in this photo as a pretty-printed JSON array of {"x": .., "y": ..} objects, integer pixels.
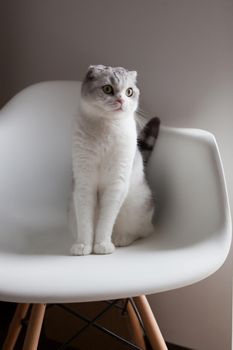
[{"x": 112, "y": 204}]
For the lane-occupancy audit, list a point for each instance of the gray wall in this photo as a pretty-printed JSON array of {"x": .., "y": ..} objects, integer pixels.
[{"x": 183, "y": 51}]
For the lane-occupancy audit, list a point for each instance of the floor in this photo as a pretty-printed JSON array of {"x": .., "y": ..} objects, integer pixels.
[{"x": 60, "y": 325}]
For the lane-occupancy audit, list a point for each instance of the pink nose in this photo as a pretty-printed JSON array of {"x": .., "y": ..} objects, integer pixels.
[{"x": 120, "y": 100}]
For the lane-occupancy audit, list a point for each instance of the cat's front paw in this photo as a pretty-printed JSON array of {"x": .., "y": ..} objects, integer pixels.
[
  {"x": 80, "y": 249},
  {"x": 124, "y": 240},
  {"x": 104, "y": 248}
]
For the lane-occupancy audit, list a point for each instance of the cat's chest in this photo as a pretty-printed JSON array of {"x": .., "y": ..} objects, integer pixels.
[
  {"x": 105, "y": 147},
  {"x": 110, "y": 145},
  {"x": 117, "y": 144},
  {"x": 109, "y": 142}
]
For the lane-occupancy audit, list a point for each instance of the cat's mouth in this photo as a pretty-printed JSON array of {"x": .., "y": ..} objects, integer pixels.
[{"x": 118, "y": 107}]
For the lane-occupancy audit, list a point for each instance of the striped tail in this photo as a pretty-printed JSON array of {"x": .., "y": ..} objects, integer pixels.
[{"x": 147, "y": 138}]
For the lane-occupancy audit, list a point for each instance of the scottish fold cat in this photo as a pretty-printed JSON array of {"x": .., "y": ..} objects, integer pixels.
[{"x": 112, "y": 204}]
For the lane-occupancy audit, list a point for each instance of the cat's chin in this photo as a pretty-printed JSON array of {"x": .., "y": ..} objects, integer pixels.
[{"x": 120, "y": 111}]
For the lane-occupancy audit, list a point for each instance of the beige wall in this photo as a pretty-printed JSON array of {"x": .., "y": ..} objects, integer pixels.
[{"x": 183, "y": 51}]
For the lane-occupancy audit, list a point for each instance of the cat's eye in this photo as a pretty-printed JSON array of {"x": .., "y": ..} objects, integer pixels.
[
  {"x": 108, "y": 89},
  {"x": 129, "y": 92}
]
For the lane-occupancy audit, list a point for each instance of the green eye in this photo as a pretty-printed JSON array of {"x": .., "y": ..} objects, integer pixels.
[
  {"x": 129, "y": 92},
  {"x": 107, "y": 89}
]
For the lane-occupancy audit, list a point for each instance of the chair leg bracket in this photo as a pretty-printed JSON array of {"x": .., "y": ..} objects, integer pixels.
[{"x": 146, "y": 334}]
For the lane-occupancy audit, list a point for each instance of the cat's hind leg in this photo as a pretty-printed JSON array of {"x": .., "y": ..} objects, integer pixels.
[
  {"x": 124, "y": 239},
  {"x": 134, "y": 220}
]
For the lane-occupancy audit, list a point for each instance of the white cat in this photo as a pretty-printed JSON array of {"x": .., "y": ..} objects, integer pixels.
[{"x": 111, "y": 203}]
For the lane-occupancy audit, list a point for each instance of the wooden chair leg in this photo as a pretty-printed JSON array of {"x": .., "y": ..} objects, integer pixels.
[
  {"x": 151, "y": 327},
  {"x": 138, "y": 334},
  {"x": 34, "y": 327},
  {"x": 15, "y": 326}
]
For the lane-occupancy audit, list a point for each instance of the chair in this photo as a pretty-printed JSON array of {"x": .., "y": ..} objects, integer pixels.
[{"x": 191, "y": 241}]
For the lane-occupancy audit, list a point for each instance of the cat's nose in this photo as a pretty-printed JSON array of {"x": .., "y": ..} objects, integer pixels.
[{"x": 120, "y": 100}]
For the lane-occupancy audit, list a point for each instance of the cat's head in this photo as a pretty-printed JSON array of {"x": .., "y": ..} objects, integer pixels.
[{"x": 109, "y": 90}]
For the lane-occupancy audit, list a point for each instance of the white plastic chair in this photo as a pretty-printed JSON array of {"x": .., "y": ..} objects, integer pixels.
[{"x": 191, "y": 241}]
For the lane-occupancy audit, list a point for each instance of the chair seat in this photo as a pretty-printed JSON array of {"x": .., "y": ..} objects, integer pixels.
[
  {"x": 191, "y": 239},
  {"x": 148, "y": 266}
]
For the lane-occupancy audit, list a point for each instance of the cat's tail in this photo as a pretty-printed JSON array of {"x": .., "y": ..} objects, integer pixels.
[{"x": 147, "y": 137}]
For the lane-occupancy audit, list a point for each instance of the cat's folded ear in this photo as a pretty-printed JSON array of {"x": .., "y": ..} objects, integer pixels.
[
  {"x": 90, "y": 73},
  {"x": 93, "y": 71},
  {"x": 133, "y": 74}
]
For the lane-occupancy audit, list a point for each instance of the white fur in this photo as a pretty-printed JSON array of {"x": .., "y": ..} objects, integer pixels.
[
  {"x": 111, "y": 198},
  {"x": 135, "y": 217}
]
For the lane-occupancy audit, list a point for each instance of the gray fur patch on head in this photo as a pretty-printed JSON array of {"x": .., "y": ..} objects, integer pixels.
[
  {"x": 119, "y": 78},
  {"x": 96, "y": 70},
  {"x": 93, "y": 71}
]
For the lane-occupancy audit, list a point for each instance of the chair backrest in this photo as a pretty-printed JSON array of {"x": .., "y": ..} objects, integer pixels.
[
  {"x": 35, "y": 161},
  {"x": 186, "y": 175},
  {"x": 35, "y": 156}
]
